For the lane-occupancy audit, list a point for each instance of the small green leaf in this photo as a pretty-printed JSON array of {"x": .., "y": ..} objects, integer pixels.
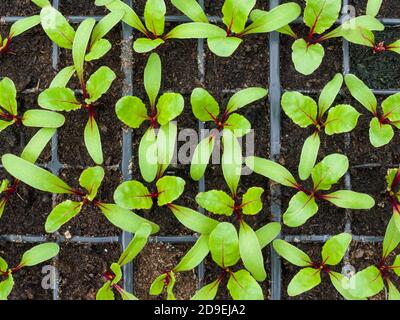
[
  {"x": 358, "y": 30},
  {"x": 5, "y": 124},
  {"x": 157, "y": 286},
  {"x": 204, "y": 106},
  {"x": 216, "y": 201},
  {"x": 224, "y": 245},
  {"x": 201, "y": 157},
  {"x": 105, "y": 25},
  {"x": 380, "y": 134},
  {"x": 3, "y": 265},
  {"x": 208, "y": 292},
  {"x": 195, "y": 255},
  {"x": 307, "y": 57},
  {"x": 271, "y": 170},
  {"x": 99, "y": 83},
  {"x": 329, "y": 94},
  {"x": 8, "y": 96},
  {"x": 291, "y": 253},
  {"x": 238, "y": 124},
  {"x": 169, "y": 189},
  {"x": 93, "y": 140},
  {"x": 133, "y": 195},
  {"x": 303, "y": 281},
  {"x": 321, "y": 15},
  {"x": 342, "y": 285},
  {"x": 335, "y": 248},
  {"x": 166, "y": 141},
  {"x": 152, "y": 77},
  {"x": 350, "y": 199},
  {"x": 170, "y": 286},
  {"x": 251, "y": 201},
  {"x": 391, "y": 107},
  {"x": 105, "y": 292},
  {"x": 196, "y": 30},
  {"x": 91, "y": 180},
  {"x": 309, "y": 154},
  {"x": 36, "y": 145},
  {"x": 224, "y": 46},
  {"x": 148, "y": 155},
  {"x": 301, "y": 208},
  {"x": 116, "y": 269},
  {"x": 231, "y": 160},
  {"x": 61, "y": 214},
  {"x": 63, "y": 77},
  {"x": 136, "y": 245},
  {"x": 39, "y": 254},
  {"x": 6, "y": 287},
  {"x": 98, "y": 50},
  {"x": 242, "y": 286},
  {"x": 250, "y": 252},
  {"x": 268, "y": 233},
  {"x": 301, "y": 109},
  {"x": 245, "y": 97},
  {"x": 34, "y": 176},
  {"x": 126, "y": 296},
  {"x": 58, "y": 99},
  {"x": 191, "y": 9},
  {"x": 361, "y": 92},
  {"x": 42, "y": 119},
  {"x": 154, "y": 16},
  {"x": 366, "y": 283},
  {"x": 169, "y": 106},
  {"x": 329, "y": 171},
  {"x": 23, "y": 25},
  {"x": 131, "y": 111},
  {"x": 373, "y": 7},
  {"x": 194, "y": 220},
  {"x": 342, "y": 118},
  {"x": 143, "y": 45},
  {"x": 394, "y": 293},
  {"x": 235, "y": 13},
  {"x": 396, "y": 265},
  {"x": 42, "y": 3},
  {"x": 392, "y": 238}
]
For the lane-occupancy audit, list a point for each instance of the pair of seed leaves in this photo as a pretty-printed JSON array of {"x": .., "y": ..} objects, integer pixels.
[
  {"x": 381, "y": 126},
  {"x": 60, "y": 98},
  {"x": 156, "y": 148},
  {"x": 206, "y": 109},
  {"x": 90, "y": 180},
  {"x": 305, "y": 112},
  {"x": 139, "y": 241},
  {"x": 324, "y": 175},
  {"x": 221, "y": 239},
  {"x": 320, "y": 16},
  {"x": 32, "y": 257},
  {"x": 30, "y": 153},
  {"x": 31, "y": 118},
  {"x": 236, "y": 13}
]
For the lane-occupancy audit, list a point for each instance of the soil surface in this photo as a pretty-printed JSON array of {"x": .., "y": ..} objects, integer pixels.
[
  {"x": 81, "y": 8},
  {"x": 389, "y": 9},
  {"x": 18, "y": 8}
]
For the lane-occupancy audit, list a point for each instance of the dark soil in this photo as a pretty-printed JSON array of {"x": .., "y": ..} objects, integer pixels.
[
  {"x": 81, "y": 8},
  {"x": 29, "y": 66},
  {"x": 378, "y": 71},
  {"x": 389, "y": 9},
  {"x": 324, "y": 291},
  {"x": 371, "y": 181},
  {"x": 154, "y": 260},
  {"x": 72, "y": 149},
  {"x": 28, "y": 281},
  {"x": 90, "y": 221},
  {"x": 81, "y": 268},
  {"x": 18, "y": 8}
]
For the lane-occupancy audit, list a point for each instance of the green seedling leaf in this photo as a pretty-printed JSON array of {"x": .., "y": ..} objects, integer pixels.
[
  {"x": 63, "y": 77},
  {"x": 291, "y": 253},
  {"x": 271, "y": 170},
  {"x": 61, "y": 214},
  {"x": 242, "y": 286},
  {"x": 392, "y": 238},
  {"x": 216, "y": 201},
  {"x": 152, "y": 77},
  {"x": 196, "y": 30},
  {"x": 231, "y": 160},
  {"x": 329, "y": 94},
  {"x": 105, "y": 292},
  {"x": 204, "y": 106},
  {"x": 224, "y": 245},
  {"x": 329, "y": 171},
  {"x": 170, "y": 286},
  {"x": 194, "y": 220},
  {"x": 169, "y": 106},
  {"x": 116, "y": 269},
  {"x": 57, "y": 27},
  {"x": 366, "y": 283},
  {"x": 238, "y": 124},
  {"x": 125, "y": 219},
  {"x": 250, "y": 252},
  {"x": 98, "y": 50},
  {"x": 91, "y": 180},
  {"x": 301, "y": 208},
  {"x": 251, "y": 201},
  {"x": 301, "y": 109},
  {"x": 268, "y": 233},
  {"x": 321, "y": 15},
  {"x": 396, "y": 265},
  {"x": 8, "y": 96},
  {"x": 201, "y": 157},
  {"x": 99, "y": 83},
  {"x": 3, "y": 265},
  {"x": 93, "y": 140},
  {"x": 105, "y": 25},
  {"x": 380, "y": 134},
  {"x": 303, "y": 281},
  {"x": 133, "y": 195},
  {"x": 394, "y": 293},
  {"x": 342, "y": 118},
  {"x": 195, "y": 255},
  {"x": 24, "y": 25},
  {"x": 148, "y": 158},
  {"x": 192, "y": 9},
  {"x": 41, "y": 3},
  {"x": 307, "y": 58},
  {"x": 245, "y": 97},
  {"x": 373, "y": 7},
  {"x": 309, "y": 154},
  {"x": 5, "y": 124},
  {"x": 131, "y": 111},
  {"x": 351, "y": 200},
  {"x": 80, "y": 46},
  {"x": 126, "y": 296},
  {"x": 335, "y": 248},
  {"x": 359, "y": 30},
  {"x": 166, "y": 140},
  {"x": 361, "y": 92},
  {"x": 208, "y": 292},
  {"x": 154, "y": 16},
  {"x": 34, "y": 176},
  {"x": 39, "y": 254},
  {"x": 391, "y": 107},
  {"x": 224, "y": 46},
  {"x": 342, "y": 285},
  {"x": 6, "y": 287},
  {"x": 136, "y": 245},
  {"x": 157, "y": 286},
  {"x": 235, "y": 14},
  {"x": 143, "y": 45},
  {"x": 58, "y": 99},
  {"x": 395, "y": 46},
  {"x": 42, "y": 119},
  {"x": 169, "y": 189}
]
